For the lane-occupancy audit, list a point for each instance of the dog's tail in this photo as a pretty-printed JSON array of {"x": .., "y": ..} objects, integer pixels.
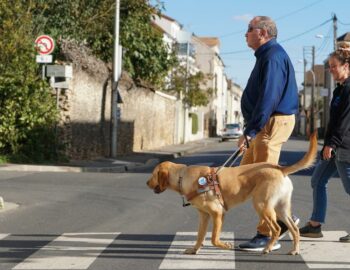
[{"x": 307, "y": 161}]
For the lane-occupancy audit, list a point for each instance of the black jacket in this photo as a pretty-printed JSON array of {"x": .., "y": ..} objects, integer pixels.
[{"x": 338, "y": 129}]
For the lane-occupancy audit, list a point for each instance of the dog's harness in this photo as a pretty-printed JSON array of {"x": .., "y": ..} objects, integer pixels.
[{"x": 211, "y": 183}]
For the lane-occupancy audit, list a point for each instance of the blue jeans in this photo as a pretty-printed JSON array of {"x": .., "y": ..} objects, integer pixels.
[{"x": 324, "y": 170}]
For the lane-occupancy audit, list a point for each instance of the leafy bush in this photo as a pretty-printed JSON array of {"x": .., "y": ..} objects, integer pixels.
[
  {"x": 194, "y": 123},
  {"x": 27, "y": 107}
]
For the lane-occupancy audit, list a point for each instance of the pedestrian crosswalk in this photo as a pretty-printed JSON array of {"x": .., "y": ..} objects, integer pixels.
[
  {"x": 97, "y": 250},
  {"x": 58, "y": 254},
  {"x": 326, "y": 252},
  {"x": 209, "y": 257}
]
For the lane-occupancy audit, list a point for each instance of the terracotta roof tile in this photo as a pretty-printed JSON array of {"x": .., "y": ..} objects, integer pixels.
[{"x": 210, "y": 41}]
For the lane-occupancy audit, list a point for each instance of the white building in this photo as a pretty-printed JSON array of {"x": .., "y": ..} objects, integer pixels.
[
  {"x": 209, "y": 62},
  {"x": 175, "y": 35},
  {"x": 234, "y": 95},
  {"x": 202, "y": 53}
]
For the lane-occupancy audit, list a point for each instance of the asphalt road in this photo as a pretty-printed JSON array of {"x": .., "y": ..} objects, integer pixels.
[{"x": 113, "y": 221}]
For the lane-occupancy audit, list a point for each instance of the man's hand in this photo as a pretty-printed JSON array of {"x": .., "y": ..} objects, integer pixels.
[{"x": 242, "y": 144}]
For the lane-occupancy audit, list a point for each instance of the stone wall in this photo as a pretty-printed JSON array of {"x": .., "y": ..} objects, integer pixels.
[{"x": 147, "y": 118}]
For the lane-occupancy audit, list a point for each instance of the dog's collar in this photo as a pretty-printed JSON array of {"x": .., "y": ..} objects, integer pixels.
[{"x": 184, "y": 204}]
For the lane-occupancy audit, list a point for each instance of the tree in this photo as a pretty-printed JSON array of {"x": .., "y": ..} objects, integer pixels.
[
  {"x": 91, "y": 22},
  {"x": 191, "y": 87},
  {"x": 27, "y": 108}
]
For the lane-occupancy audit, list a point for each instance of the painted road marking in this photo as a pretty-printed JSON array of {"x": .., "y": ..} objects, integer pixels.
[
  {"x": 69, "y": 251},
  {"x": 80, "y": 250},
  {"x": 3, "y": 235},
  {"x": 326, "y": 252},
  {"x": 209, "y": 257}
]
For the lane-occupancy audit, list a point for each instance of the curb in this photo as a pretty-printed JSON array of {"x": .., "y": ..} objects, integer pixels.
[
  {"x": 118, "y": 168},
  {"x": 50, "y": 168}
]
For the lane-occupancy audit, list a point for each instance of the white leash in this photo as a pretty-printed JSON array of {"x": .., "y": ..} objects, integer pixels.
[{"x": 234, "y": 157}]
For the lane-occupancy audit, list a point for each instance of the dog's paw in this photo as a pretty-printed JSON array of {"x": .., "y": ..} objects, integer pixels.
[
  {"x": 266, "y": 251},
  {"x": 228, "y": 245},
  {"x": 191, "y": 251},
  {"x": 293, "y": 252}
]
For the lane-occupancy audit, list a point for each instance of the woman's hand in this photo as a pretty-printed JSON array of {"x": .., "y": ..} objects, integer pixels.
[{"x": 327, "y": 152}]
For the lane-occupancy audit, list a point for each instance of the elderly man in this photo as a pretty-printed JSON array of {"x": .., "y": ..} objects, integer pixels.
[{"x": 269, "y": 104}]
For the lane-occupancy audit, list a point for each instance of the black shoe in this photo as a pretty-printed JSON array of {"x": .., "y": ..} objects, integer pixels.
[
  {"x": 310, "y": 231},
  {"x": 284, "y": 228},
  {"x": 345, "y": 239}
]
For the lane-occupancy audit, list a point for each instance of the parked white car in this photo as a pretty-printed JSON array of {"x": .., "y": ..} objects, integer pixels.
[{"x": 231, "y": 131}]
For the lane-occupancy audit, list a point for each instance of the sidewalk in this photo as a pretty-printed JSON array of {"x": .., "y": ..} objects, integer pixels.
[{"x": 126, "y": 163}]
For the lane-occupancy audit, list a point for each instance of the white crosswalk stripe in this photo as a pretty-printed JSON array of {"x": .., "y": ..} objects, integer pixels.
[
  {"x": 80, "y": 251},
  {"x": 3, "y": 235},
  {"x": 326, "y": 252},
  {"x": 209, "y": 257},
  {"x": 60, "y": 253}
]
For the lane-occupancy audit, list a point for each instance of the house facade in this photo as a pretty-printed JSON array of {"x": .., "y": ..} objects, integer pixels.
[{"x": 201, "y": 54}]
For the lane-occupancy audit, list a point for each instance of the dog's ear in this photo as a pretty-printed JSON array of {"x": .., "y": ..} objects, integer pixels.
[{"x": 163, "y": 179}]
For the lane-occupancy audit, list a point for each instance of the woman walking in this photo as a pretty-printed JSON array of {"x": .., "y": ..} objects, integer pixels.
[{"x": 335, "y": 154}]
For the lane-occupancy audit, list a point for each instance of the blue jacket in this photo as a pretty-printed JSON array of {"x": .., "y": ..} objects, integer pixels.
[{"x": 271, "y": 88}]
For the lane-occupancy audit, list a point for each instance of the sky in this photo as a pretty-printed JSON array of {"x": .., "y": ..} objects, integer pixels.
[{"x": 301, "y": 24}]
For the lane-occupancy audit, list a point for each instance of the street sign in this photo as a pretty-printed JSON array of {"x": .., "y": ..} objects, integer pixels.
[
  {"x": 44, "y": 44},
  {"x": 59, "y": 71},
  {"x": 44, "y": 58}
]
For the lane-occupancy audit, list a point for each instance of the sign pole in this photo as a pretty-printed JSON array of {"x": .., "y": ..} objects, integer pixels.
[
  {"x": 116, "y": 68},
  {"x": 43, "y": 67}
]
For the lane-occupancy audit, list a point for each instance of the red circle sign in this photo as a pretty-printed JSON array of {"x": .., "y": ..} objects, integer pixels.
[{"x": 44, "y": 44}]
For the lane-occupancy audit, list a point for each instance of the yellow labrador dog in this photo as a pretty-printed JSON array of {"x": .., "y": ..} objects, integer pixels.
[{"x": 268, "y": 185}]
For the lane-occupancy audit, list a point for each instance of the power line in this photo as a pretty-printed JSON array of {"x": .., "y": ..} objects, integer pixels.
[
  {"x": 298, "y": 10},
  {"x": 343, "y": 23},
  {"x": 234, "y": 52},
  {"x": 326, "y": 42},
  {"x": 277, "y": 19},
  {"x": 301, "y": 34},
  {"x": 288, "y": 39}
]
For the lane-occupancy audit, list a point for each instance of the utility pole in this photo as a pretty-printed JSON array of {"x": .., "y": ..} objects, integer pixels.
[
  {"x": 304, "y": 103},
  {"x": 331, "y": 80},
  {"x": 186, "y": 93},
  {"x": 335, "y": 28},
  {"x": 116, "y": 74},
  {"x": 313, "y": 116}
]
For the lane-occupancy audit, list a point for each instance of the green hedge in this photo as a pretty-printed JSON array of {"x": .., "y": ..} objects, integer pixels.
[
  {"x": 28, "y": 112},
  {"x": 194, "y": 123}
]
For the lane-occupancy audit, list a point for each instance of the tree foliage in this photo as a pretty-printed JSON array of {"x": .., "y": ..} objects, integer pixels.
[
  {"x": 145, "y": 55},
  {"x": 27, "y": 108},
  {"x": 191, "y": 87},
  {"x": 91, "y": 22}
]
